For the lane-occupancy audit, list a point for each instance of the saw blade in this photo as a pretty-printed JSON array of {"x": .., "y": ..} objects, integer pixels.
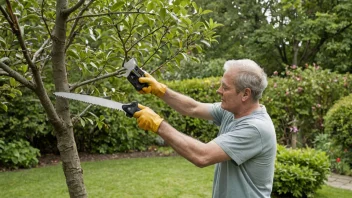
[{"x": 91, "y": 100}]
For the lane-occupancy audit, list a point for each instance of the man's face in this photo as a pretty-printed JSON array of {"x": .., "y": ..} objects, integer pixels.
[{"x": 230, "y": 99}]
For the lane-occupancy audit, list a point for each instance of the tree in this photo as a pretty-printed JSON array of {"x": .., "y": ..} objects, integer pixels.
[
  {"x": 285, "y": 32},
  {"x": 67, "y": 47}
]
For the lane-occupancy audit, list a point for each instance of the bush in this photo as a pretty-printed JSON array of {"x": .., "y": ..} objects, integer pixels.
[
  {"x": 192, "y": 69},
  {"x": 299, "y": 98},
  {"x": 338, "y": 125},
  {"x": 18, "y": 154},
  {"x": 299, "y": 172},
  {"x": 26, "y": 119},
  {"x": 340, "y": 159}
]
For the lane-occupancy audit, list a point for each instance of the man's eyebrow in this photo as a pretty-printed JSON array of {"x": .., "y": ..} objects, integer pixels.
[{"x": 223, "y": 83}]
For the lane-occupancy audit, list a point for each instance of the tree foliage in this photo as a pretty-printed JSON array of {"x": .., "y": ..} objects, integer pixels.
[{"x": 279, "y": 33}]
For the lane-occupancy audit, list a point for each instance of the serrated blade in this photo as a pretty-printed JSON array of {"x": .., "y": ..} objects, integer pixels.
[{"x": 91, "y": 99}]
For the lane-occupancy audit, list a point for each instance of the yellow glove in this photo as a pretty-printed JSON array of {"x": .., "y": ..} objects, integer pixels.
[
  {"x": 147, "y": 119},
  {"x": 154, "y": 87}
]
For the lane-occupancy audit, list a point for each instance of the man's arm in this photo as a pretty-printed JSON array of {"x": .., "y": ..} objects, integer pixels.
[
  {"x": 197, "y": 152},
  {"x": 186, "y": 105},
  {"x": 181, "y": 103}
]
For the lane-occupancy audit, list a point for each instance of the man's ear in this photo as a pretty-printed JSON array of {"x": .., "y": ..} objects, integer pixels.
[{"x": 246, "y": 94}]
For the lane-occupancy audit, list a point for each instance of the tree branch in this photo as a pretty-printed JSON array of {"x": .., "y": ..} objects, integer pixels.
[
  {"x": 73, "y": 32},
  {"x": 167, "y": 60},
  {"x": 159, "y": 47},
  {"x": 152, "y": 32},
  {"x": 17, "y": 76},
  {"x": 43, "y": 18},
  {"x": 109, "y": 13},
  {"x": 76, "y": 118},
  {"x": 117, "y": 73},
  {"x": 37, "y": 53},
  {"x": 73, "y": 8},
  {"x": 3, "y": 73}
]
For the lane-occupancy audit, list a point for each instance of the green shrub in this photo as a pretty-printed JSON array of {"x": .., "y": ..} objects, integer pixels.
[
  {"x": 299, "y": 172},
  {"x": 192, "y": 69},
  {"x": 26, "y": 119},
  {"x": 18, "y": 154},
  {"x": 338, "y": 122},
  {"x": 338, "y": 125}
]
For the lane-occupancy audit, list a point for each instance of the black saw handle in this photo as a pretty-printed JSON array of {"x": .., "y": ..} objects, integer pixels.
[
  {"x": 134, "y": 76},
  {"x": 131, "y": 108}
]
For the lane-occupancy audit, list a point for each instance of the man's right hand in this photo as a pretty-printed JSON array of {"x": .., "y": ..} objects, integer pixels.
[{"x": 154, "y": 87}]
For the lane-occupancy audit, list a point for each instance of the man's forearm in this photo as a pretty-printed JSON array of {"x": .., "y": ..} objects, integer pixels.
[
  {"x": 199, "y": 153},
  {"x": 186, "y": 105},
  {"x": 181, "y": 103},
  {"x": 188, "y": 147}
]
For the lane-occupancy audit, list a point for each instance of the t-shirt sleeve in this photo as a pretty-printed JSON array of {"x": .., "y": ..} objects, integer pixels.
[
  {"x": 241, "y": 144},
  {"x": 217, "y": 112}
]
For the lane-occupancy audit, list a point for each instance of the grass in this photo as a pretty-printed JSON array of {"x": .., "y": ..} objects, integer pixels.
[{"x": 139, "y": 177}]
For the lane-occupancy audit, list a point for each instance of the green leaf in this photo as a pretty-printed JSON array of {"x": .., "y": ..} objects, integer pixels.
[
  {"x": 206, "y": 12},
  {"x": 13, "y": 82},
  {"x": 90, "y": 121},
  {"x": 163, "y": 13},
  {"x": 83, "y": 123},
  {"x": 73, "y": 53},
  {"x": 94, "y": 65},
  {"x": 100, "y": 125},
  {"x": 205, "y": 42},
  {"x": 194, "y": 4},
  {"x": 3, "y": 106},
  {"x": 117, "y": 6},
  {"x": 24, "y": 68},
  {"x": 2, "y": 41}
]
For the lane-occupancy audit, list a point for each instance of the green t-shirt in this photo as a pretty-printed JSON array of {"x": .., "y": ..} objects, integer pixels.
[{"x": 250, "y": 141}]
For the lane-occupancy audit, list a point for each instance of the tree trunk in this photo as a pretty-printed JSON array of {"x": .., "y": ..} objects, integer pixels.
[
  {"x": 295, "y": 52},
  {"x": 65, "y": 138},
  {"x": 294, "y": 140}
]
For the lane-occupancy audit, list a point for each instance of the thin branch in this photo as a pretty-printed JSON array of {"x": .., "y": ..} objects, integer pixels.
[
  {"x": 73, "y": 33},
  {"x": 159, "y": 47},
  {"x": 5, "y": 15},
  {"x": 152, "y": 32},
  {"x": 68, "y": 11},
  {"x": 4, "y": 50},
  {"x": 37, "y": 53},
  {"x": 43, "y": 18},
  {"x": 76, "y": 118},
  {"x": 117, "y": 74},
  {"x": 3, "y": 73},
  {"x": 17, "y": 76},
  {"x": 167, "y": 60},
  {"x": 109, "y": 13},
  {"x": 17, "y": 31}
]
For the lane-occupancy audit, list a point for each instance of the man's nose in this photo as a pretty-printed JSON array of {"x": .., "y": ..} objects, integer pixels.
[{"x": 219, "y": 91}]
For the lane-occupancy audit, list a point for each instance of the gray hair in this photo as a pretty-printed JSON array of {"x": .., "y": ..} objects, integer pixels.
[{"x": 248, "y": 75}]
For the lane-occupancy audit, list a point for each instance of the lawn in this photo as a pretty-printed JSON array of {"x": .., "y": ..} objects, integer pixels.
[{"x": 139, "y": 177}]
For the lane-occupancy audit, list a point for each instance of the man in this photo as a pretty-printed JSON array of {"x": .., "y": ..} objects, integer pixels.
[{"x": 244, "y": 150}]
